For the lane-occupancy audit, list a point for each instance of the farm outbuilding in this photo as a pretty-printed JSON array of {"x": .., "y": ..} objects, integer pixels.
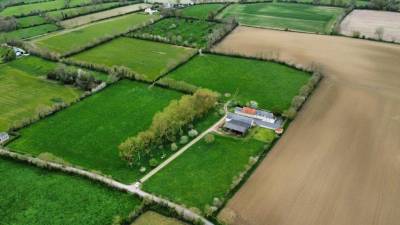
[{"x": 4, "y": 137}]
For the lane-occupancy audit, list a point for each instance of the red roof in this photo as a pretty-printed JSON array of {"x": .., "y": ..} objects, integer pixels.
[{"x": 248, "y": 110}]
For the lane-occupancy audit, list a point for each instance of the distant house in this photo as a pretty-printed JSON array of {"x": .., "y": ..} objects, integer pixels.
[
  {"x": 150, "y": 11},
  {"x": 19, "y": 52},
  {"x": 4, "y": 137}
]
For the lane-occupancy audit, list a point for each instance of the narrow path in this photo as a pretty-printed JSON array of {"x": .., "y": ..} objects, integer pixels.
[
  {"x": 178, "y": 153},
  {"x": 186, "y": 213}
]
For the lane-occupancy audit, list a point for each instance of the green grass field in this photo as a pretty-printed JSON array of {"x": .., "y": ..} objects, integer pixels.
[
  {"x": 24, "y": 92},
  {"x": 270, "y": 84},
  {"x": 291, "y": 16},
  {"x": 34, "y": 196},
  {"x": 71, "y": 12},
  {"x": 148, "y": 58},
  {"x": 30, "y": 21},
  {"x": 338, "y": 2},
  {"x": 92, "y": 129},
  {"x": 153, "y": 218},
  {"x": 67, "y": 41},
  {"x": 201, "y": 11},
  {"x": 41, "y": 6},
  {"x": 204, "y": 172},
  {"x": 185, "y": 32},
  {"x": 31, "y": 31}
]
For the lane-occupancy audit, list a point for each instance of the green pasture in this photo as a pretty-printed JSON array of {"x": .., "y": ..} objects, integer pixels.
[
  {"x": 300, "y": 17},
  {"x": 31, "y": 31},
  {"x": 187, "y": 32},
  {"x": 92, "y": 129},
  {"x": 78, "y": 38},
  {"x": 201, "y": 11},
  {"x": 147, "y": 58},
  {"x": 204, "y": 172},
  {"x": 44, "y": 6},
  {"x": 24, "y": 92},
  {"x": 30, "y": 21},
  {"x": 272, "y": 85},
  {"x": 34, "y": 196}
]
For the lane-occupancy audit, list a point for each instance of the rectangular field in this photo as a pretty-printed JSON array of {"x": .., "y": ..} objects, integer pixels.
[
  {"x": 187, "y": 32},
  {"x": 76, "y": 38},
  {"x": 368, "y": 22},
  {"x": 205, "y": 171},
  {"x": 30, "y": 32},
  {"x": 270, "y": 84},
  {"x": 147, "y": 58},
  {"x": 202, "y": 11},
  {"x": 93, "y": 128},
  {"x": 23, "y": 92},
  {"x": 34, "y": 196},
  {"x": 72, "y": 12},
  {"x": 79, "y": 21},
  {"x": 30, "y": 21},
  {"x": 300, "y": 17},
  {"x": 40, "y": 7}
]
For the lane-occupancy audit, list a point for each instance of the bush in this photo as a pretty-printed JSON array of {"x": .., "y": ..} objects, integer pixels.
[
  {"x": 153, "y": 162},
  {"x": 174, "y": 147},
  {"x": 209, "y": 138},
  {"x": 193, "y": 133},
  {"x": 184, "y": 140},
  {"x": 8, "y": 55}
]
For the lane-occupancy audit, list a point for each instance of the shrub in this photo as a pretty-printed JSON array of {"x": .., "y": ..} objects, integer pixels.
[
  {"x": 174, "y": 147},
  {"x": 184, "y": 140},
  {"x": 153, "y": 162},
  {"x": 46, "y": 156},
  {"x": 290, "y": 113},
  {"x": 9, "y": 54},
  {"x": 209, "y": 138},
  {"x": 193, "y": 133}
]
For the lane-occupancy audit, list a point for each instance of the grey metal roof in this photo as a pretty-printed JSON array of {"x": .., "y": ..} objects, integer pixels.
[
  {"x": 263, "y": 113},
  {"x": 244, "y": 119},
  {"x": 237, "y": 126}
]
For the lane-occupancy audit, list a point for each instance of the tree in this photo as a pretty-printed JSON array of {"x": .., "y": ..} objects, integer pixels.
[
  {"x": 184, "y": 140},
  {"x": 379, "y": 32},
  {"x": 174, "y": 147},
  {"x": 7, "y": 24},
  {"x": 9, "y": 55},
  {"x": 193, "y": 133},
  {"x": 209, "y": 138}
]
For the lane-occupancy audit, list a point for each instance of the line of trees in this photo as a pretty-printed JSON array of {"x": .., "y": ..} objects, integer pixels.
[
  {"x": 7, "y": 23},
  {"x": 168, "y": 124},
  {"x": 73, "y": 76}
]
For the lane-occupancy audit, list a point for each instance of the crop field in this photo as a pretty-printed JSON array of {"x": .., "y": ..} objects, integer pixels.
[
  {"x": 92, "y": 130},
  {"x": 23, "y": 92},
  {"x": 202, "y": 11},
  {"x": 31, "y": 31},
  {"x": 160, "y": 56},
  {"x": 40, "y": 6},
  {"x": 77, "y": 38},
  {"x": 290, "y": 16},
  {"x": 270, "y": 84},
  {"x": 332, "y": 139},
  {"x": 30, "y": 21},
  {"x": 34, "y": 196},
  {"x": 71, "y": 12},
  {"x": 186, "y": 32},
  {"x": 367, "y": 22},
  {"x": 82, "y": 20},
  {"x": 153, "y": 218},
  {"x": 205, "y": 171}
]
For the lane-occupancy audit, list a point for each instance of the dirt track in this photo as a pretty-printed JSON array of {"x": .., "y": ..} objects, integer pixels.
[{"x": 339, "y": 162}]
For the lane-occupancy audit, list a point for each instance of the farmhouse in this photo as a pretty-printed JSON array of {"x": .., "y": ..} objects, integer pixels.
[
  {"x": 244, "y": 118},
  {"x": 4, "y": 137},
  {"x": 150, "y": 11},
  {"x": 20, "y": 52}
]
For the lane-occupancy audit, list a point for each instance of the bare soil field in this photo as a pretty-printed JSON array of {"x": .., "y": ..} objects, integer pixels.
[
  {"x": 368, "y": 21},
  {"x": 339, "y": 161},
  {"x": 82, "y": 20}
]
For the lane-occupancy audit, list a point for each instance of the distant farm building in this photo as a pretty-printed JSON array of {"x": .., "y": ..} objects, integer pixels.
[
  {"x": 244, "y": 118},
  {"x": 19, "y": 52},
  {"x": 4, "y": 137},
  {"x": 150, "y": 11}
]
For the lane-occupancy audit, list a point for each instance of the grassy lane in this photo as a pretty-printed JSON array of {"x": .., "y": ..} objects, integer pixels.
[
  {"x": 285, "y": 16},
  {"x": 270, "y": 84},
  {"x": 205, "y": 171},
  {"x": 76, "y": 38},
  {"x": 147, "y": 58},
  {"x": 34, "y": 196},
  {"x": 92, "y": 129}
]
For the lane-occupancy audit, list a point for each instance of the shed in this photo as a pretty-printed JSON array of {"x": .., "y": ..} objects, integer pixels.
[{"x": 4, "y": 137}]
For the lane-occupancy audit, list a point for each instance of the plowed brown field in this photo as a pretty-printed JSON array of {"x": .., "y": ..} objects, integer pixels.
[{"x": 339, "y": 161}]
